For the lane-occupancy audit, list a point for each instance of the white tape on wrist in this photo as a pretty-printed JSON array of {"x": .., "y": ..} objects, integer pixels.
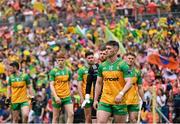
[{"x": 121, "y": 93}]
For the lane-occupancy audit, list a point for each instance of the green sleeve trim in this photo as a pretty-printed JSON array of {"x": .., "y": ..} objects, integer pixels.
[
  {"x": 27, "y": 79},
  {"x": 139, "y": 81},
  {"x": 9, "y": 81},
  {"x": 52, "y": 75},
  {"x": 80, "y": 75},
  {"x": 100, "y": 71},
  {"x": 125, "y": 69},
  {"x": 70, "y": 74}
]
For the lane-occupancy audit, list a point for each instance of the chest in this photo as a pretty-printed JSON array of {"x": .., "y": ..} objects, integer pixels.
[
  {"x": 61, "y": 73},
  {"x": 17, "y": 79}
]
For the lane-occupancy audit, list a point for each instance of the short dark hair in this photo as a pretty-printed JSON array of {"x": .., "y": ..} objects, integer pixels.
[
  {"x": 15, "y": 64},
  {"x": 88, "y": 53},
  {"x": 60, "y": 55},
  {"x": 130, "y": 53},
  {"x": 102, "y": 47},
  {"x": 113, "y": 43}
]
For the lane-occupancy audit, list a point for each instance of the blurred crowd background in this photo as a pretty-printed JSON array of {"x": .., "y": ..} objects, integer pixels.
[{"x": 33, "y": 31}]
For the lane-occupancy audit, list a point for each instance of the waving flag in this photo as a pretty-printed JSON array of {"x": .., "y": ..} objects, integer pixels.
[
  {"x": 55, "y": 3},
  {"x": 165, "y": 62},
  {"x": 80, "y": 32},
  {"x": 110, "y": 36}
]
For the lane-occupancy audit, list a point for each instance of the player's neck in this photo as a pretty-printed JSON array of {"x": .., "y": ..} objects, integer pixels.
[
  {"x": 61, "y": 67},
  {"x": 131, "y": 66},
  {"x": 113, "y": 59},
  {"x": 17, "y": 73}
]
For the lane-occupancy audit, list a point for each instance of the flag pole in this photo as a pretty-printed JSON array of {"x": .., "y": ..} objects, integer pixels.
[
  {"x": 154, "y": 102},
  {"x": 139, "y": 113}
]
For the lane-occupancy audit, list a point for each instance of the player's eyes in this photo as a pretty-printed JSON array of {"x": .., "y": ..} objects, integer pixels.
[
  {"x": 60, "y": 60},
  {"x": 108, "y": 48},
  {"x": 90, "y": 58},
  {"x": 102, "y": 53}
]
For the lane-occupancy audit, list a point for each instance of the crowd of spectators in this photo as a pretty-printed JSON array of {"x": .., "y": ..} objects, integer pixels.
[
  {"x": 34, "y": 33},
  {"x": 70, "y": 10}
]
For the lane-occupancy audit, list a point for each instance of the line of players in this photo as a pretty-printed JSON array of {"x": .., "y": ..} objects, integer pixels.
[{"x": 112, "y": 86}]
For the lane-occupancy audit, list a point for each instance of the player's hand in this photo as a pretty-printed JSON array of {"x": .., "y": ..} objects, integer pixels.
[
  {"x": 41, "y": 117},
  {"x": 95, "y": 104},
  {"x": 143, "y": 106},
  {"x": 87, "y": 100},
  {"x": 118, "y": 98},
  {"x": 8, "y": 101},
  {"x": 58, "y": 100}
]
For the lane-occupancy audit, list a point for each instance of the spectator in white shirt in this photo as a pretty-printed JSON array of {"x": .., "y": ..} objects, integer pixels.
[{"x": 161, "y": 98}]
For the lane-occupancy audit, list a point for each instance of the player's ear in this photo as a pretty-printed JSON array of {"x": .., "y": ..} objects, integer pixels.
[{"x": 116, "y": 48}]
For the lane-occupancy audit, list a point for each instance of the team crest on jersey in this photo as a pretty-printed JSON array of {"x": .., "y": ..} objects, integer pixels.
[
  {"x": 58, "y": 73},
  {"x": 111, "y": 67}
]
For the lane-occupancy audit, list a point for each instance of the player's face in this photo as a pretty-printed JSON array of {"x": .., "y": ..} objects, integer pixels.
[
  {"x": 111, "y": 51},
  {"x": 12, "y": 69},
  {"x": 102, "y": 55},
  {"x": 90, "y": 59},
  {"x": 60, "y": 61},
  {"x": 130, "y": 59}
]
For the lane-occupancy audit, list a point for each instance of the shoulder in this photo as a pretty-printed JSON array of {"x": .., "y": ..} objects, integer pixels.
[
  {"x": 82, "y": 69},
  {"x": 121, "y": 61},
  {"x": 68, "y": 69},
  {"x": 105, "y": 63},
  {"x": 137, "y": 71},
  {"x": 54, "y": 70},
  {"x": 122, "y": 64},
  {"x": 24, "y": 75}
]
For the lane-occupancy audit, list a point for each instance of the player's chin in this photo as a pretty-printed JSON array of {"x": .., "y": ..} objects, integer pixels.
[{"x": 117, "y": 102}]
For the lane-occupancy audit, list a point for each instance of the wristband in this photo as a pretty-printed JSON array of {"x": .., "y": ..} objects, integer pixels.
[
  {"x": 121, "y": 93},
  {"x": 87, "y": 96}
]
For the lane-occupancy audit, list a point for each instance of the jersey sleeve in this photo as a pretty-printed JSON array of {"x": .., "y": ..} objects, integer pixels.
[
  {"x": 27, "y": 79},
  {"x": 52, "y": 75},
  {"x": 9, "y": 81},
  {"x": 100, "y": 70},
  {"x": 70, "y": 74},
  {"x": 125, "y": 69},
  {"x": 80, "y": 75},
  {"x": 139, "y": 81}
]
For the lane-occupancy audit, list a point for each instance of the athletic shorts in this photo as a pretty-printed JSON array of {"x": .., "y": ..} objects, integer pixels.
[
  {"x": 18, "y": 106},
  {"x": 133, "y": 108},
  {"x": 113, "y": 109},
  {"x": 88, "y": 105},
  {"x": 64, "y": 101}
]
